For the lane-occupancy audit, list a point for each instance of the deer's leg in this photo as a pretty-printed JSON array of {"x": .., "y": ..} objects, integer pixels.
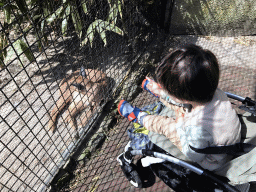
[
  {"x": 59, "y": 106},
  {"x": 88, "y": 114},
  {"x": 73, "y": 110}
]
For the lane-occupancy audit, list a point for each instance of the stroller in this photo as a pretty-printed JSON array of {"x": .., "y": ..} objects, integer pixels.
[{"x": 180, "y": 175}]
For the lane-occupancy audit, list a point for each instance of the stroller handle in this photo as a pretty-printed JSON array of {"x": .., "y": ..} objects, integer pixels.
[
  {"x": 183, "y": 164},
  {"x": 236, "y": 97},
  {"x": 249, "y": 104},
  {"x": 168, "y": 158}
]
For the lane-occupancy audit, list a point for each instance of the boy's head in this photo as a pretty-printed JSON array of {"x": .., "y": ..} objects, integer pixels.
[{"x": 189, "y": 73}]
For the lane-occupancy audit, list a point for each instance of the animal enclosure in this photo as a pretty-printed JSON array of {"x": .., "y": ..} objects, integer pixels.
[{"x": 45, "y": 44}]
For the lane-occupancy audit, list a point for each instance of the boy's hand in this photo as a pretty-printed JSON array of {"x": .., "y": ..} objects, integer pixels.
[
  {"x": 153, "y": 87},
  {"x": 130, "y": 112}
]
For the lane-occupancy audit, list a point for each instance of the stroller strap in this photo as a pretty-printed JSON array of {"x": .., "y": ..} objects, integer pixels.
[{"x": 236, "y": 149}]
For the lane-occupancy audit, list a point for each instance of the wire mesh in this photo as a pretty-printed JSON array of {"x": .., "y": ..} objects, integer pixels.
[{"x": 44, "y": 42}]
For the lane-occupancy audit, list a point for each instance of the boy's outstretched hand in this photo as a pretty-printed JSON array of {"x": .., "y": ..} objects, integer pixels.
[
  {"x": 130, "y": 112},
  {"x": 152, "y": 87}
]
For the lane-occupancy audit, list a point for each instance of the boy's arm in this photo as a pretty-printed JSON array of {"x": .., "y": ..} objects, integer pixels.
[
  {"x": 193, "y": 136},
  {"x": 163, "y": 125}
]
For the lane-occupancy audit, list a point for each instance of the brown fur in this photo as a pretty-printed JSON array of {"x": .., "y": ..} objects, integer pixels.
[{"x": 91, "y": 96}]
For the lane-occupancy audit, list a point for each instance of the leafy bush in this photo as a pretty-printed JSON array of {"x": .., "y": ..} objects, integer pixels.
[
  {"x": 22, "y": 17},
  {"x": 69, "y": 9}
]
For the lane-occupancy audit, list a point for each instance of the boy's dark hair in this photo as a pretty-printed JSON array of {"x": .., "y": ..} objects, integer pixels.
[{"x": 189, "y": 73}]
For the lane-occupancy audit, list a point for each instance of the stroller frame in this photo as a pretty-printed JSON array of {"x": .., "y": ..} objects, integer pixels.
[{"x": 132, "y": 174}]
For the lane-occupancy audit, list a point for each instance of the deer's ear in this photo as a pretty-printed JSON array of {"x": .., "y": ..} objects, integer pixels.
[{"x": 78, "y": 86}]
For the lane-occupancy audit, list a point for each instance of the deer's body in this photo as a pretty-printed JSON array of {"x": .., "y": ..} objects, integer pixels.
[{"x": 79, "y": 93}]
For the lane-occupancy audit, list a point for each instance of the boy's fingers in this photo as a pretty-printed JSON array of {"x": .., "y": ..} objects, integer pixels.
[{"x": 150, "y": 85}]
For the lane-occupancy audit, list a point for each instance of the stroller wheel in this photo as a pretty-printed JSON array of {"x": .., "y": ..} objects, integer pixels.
[
  {"x": 130, "y": 171},
  {"x": 145, "y": 174},
  {"x": 135, "y": 179}
]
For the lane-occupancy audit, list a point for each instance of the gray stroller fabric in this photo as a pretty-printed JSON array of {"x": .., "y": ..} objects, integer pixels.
[
  {"x": 239, "y": 170},
  {"x": 243, "y": 168}
]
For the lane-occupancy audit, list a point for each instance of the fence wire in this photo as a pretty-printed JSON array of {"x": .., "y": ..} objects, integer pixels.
[
  {"x": 43, "y": 42},
  {"x": 44, "y": 45}
]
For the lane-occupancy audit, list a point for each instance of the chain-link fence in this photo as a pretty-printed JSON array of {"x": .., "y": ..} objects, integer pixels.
[
  {"x": 59, "y": 124},
  {"x": 48, "y": 105}
]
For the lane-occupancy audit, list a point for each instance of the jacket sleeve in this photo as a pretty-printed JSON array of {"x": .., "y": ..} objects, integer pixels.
[
  {"x": 182, "y": 137},
  {"x": 163, "y": 125},
  {"x": 196, "y": 137}
]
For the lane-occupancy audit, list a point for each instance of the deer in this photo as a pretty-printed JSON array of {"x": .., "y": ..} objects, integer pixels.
[{"x": 83, "y": 89}]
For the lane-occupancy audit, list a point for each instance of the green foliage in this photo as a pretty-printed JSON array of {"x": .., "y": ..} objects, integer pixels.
[
  {"x": 3, "y": 44},
  {"x": 19, "y": 47},
  {"x": 100, "y": 27},
  {"x": 214, "y": 16},
  {"x": 228, "y": 11},
  {"x": 22, "y": 17},
  {"x": 20, "y": 20},
  {"x": 69, "y": 9}
]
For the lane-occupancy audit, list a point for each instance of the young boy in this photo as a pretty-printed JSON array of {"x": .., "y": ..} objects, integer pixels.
[{"x": 190, "y": 75}]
